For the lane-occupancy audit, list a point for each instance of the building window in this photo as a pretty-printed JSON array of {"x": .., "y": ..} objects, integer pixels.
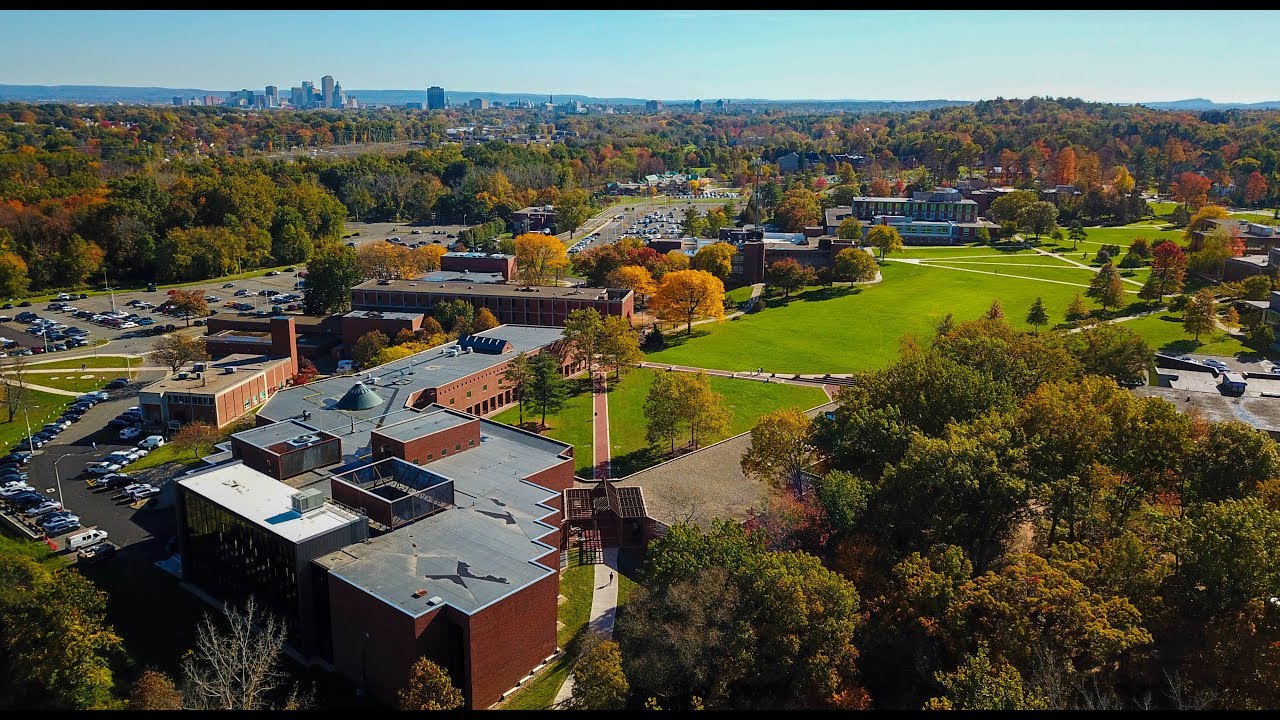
[
  {"x": 457, "y": 447},
  {"x": 450, "y": 401},
  {"x": 444, "y": 451},
  {"x": 471, "y": 443},
  {"x": 484, "y": 387},
  {"x": 468, "y": 393}
]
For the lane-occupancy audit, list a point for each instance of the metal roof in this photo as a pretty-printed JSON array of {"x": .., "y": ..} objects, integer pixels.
[{"x": 359, "y": 397}]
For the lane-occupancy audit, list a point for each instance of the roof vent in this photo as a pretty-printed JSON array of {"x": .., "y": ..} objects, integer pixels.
[
  {"x": 303, "y": 440},
  {"x": 419, "y": 593},
  {"x": 434, "y": 600}
]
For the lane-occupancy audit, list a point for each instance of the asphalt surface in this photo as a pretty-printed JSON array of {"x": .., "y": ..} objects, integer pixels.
[{"x": 125, "y": 523}]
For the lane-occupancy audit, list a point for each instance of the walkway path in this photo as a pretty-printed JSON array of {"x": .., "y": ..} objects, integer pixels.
[
  {"x": 1080, "y": 264},
  {"x": 604, "y": 610},
  {"x": 929, "y": 263},
  {"x": 600, "y": 431},
  {"x": 808, "y": 380}
]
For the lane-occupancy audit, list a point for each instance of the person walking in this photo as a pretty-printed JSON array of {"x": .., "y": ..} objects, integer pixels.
[{"x": 610, "y": 578}]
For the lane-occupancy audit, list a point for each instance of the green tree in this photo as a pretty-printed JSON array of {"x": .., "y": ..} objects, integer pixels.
[
  {"x": 789, "y": 276},
  {"x": 701, "y": 409},
  {"x": 980, "y": 683},
  {"x": 661, "y": 403},
  {"x": 1231, "y": 462},
  {"x": 780, "y": 448},
  {"x": 885, "y": 238},
  {"x": 1076, "y": 309},
  {"x": 798, "y": 209},
  {"x": 1076, "y": 234},
  {"x": 1201, "y": 313},
  {"x": 598, "y": 680},
  {"x": 1257, "y": 287},
  {"x": 1106, "y": 287},
  {"x": 619, "y": 345},
  {"x": 55, "y": 636},
  {"x": 331, "y": 274},
  {"x": 1260, "y": 337},
  {"x": 454, "y": 315},
  {"x": 1037, "y": 315},
  {"x": 546, "y": 387},
  {"x": 1006, "y": 207},
  {"x": 855, "y": 265},
  {"x": 1039, "y": 217},
  {"x": 572, "y": 209},
  {"x": 367, "y": 347},
  {"x": 849, "y": 229},
  {"x": 1229, "y": 555},
  {"x": 844, "y": 496},
  {"x": 1112, "y": 350},
  {"x": 516, "y": 376},
  {"x": 584, "y": 335},
  {"x": 429, "y": 688},
  {"x": 178, "y": 349}
]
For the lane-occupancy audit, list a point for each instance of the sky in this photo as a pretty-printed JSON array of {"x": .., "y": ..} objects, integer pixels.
[{"x": 1110, "y": 56}]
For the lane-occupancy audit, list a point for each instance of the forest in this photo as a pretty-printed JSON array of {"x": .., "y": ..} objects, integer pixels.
[{"x": 189, "y": 193}]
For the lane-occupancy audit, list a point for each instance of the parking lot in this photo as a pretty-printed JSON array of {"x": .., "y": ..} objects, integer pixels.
[
  {"x": 382, "y": 231},
  {"x": 126, "y": 521},
  {"x": 225, "y": 291}
]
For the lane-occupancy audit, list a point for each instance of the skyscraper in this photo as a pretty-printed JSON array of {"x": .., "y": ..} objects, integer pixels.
[
  {"x": 326, "y": 91},
  {"x": 339, "y": 98},
  {"x": 297, "y": 97},
  {"x": 697, "y": 106},
  {"x": 435, "y": 98},
  {"x": 308, "y": 94},
  {"x": 273, "y": 96}
]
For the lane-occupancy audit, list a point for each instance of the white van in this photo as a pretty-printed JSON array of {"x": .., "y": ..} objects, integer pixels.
[
  {"x": 86, "y": 538},
  {"x": 151, "y": 442}
]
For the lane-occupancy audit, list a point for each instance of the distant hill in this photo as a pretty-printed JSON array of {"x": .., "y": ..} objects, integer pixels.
[{"x": 1206, "y": 104}]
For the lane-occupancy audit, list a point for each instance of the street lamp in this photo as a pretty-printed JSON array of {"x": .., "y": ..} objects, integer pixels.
[{"x": 58, "y": 478}]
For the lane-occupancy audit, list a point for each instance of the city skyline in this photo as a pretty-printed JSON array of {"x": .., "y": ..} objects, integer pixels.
[{"x": 1112, "y": 57}]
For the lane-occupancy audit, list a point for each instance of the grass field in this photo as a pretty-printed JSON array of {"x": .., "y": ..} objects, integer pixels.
[
  {"x": 576, "y": 584},
  {"x": 93, "y": 361},
  {"x": 572, "y": 424},
  {"x": 738, "y": 295},
  {"x": 1123, "y": 236},
  {"x": 844, "y": 329},
  {"x": 746, "y": 399},
  {"x": 160, "y": 456},
  {"x": 1262, "y": 217},
  {"x": 77, "y": 381},
  {"x": 931, "y": 252},
  {"x": 37, "y": 407},
  {"x": 1163, "y": 332}
]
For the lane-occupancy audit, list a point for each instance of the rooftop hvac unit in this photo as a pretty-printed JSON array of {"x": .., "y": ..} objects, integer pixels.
[
  {"x": 229, "y": 370},
  {"x": 435, "y": 600},
  {"x": 196, "y": 375},
  {"x": 303, "y": 440},
  {"x": 198, "y": 367},
  {"x": 182, "y": 376},
  {"x": 307, "y": 500}
]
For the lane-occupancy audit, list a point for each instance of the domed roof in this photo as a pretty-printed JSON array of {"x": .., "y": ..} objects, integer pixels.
[{"x": 360, "y": 397}]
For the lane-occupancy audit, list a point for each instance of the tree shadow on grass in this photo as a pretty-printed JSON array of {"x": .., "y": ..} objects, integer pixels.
[
  {"x": 676, "y": 338},
  {"x": 1180, "y": 346},
  {"x": 635, "y": 461},
  {"x": 814, "y": 295}
]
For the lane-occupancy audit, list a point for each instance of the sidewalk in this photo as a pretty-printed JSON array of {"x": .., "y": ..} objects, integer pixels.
[
  {"x": 600, "y": 429},
  {"x": 604, "y": 610}
]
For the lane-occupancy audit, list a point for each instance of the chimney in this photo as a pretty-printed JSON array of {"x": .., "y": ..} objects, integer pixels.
[{"x": 284, "y": 341}]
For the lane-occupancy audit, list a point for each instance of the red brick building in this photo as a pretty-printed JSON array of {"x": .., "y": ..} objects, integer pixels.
[
  {"x": 504, "y": 265},
  {"x": 357, "y": 323},
  {"x": 511, "y": 304}
]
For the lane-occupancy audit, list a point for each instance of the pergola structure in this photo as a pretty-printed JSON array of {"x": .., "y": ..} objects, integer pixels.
[{"x": 605, "y": 515}]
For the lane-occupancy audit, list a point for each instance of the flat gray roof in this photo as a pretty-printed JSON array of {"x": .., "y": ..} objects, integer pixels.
[
  {"x": 397, "y": 381},
  {"x": 266, "y": 502},
  {"x": 424, "y": 423},
  {"x": 1258, "y": 412},
  {"x": 490, "y": 289},
  {"x": 385, "y": 315},
  {"x": 268, "y": 435}
]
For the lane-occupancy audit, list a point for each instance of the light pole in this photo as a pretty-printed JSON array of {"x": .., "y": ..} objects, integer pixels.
[
  {"x": 58, "y": 478},
  {"x": 109, "y": 289}
]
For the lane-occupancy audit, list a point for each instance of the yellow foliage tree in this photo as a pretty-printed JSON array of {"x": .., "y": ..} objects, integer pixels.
[
  {"x": 674, "y": 260},
  {"x": 427, "y": 258},
  {"x": 484, "y": 320},
  {"x": 686, "y": 295},
  {"x": 716, "y": 259},
  {"x": 634, "y": 278},
  {"x": 386, "y": 261},
  {"x": 540, "y": 258},
  {"x": 1206, "y": 212}
]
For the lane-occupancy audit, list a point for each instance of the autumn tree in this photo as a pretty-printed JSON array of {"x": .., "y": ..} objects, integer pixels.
[
  {"x": 619, "y": 344},
  {"x": 789, "y": 276},
  {"x": 634, "y": 278},
  {"x": 368, "y": 346},
  {"x": 429, "y": 688},
  {"x": 178, "y": 349},
  {"x": 886, "y": 238},
  {"x": 780, "y": 447},
  {"x": 687, "y": 295},
  {"x": 14, "y": 278},
  {"x": 995, "y": 312},
  {"x": 427, "y": 257},
  {"x": 1037, "y": 315},
  {"x": 154, "y": 691},
  {"x": 1255, "y": 188},
  {"x": 1106, "y": 287},
  {"x": 1201, "y": 313},
  {"x": 195, "y": 439},
  {"x": 672, "y": 261},
  {"x": 386, "y": 261},
  {"x": 484, "y": 320},
  {"x": 855, "y": 265},
  {"x": 1199, "y": 221},
  {"x": 981, "y": 683},
  {"x": 189, "y": 303},
  {"x": 1168, "y": 268},
  {"x": 540, "y": 259},
  {"x": 599, "y": 682},
  {"x": 1191, "y": 189},
  {"x": 1064, "y": 167},
  {"x": 849, "y": 229},
  {"x": 1217, "y": 246},
  {"x": 661, "y": 403},
  {"x": 716, "y": 258},
  {"x": 799, "y": 208}
]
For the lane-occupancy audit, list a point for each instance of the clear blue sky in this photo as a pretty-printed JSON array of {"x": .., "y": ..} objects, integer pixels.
[{"x": 667, "y": 54}]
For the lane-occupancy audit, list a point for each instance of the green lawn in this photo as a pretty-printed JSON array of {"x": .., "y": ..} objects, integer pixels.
[
  {"x": 160, "y": 456},
  {"x": 738, "y": 295},
  {"x": 577, "y": 583},
  {"x": 38, "y": 408},
  {"x": 748, "y": 400},
  {"x": 77, "y": 381},
  {"x": 1122, "y": 236},
  {"x": 931, "y": 252},
  {"x": 572, "y": 424},
  {"x": 1001, "y": 259},
  {"x": 1262, "y": 217},
  {"x": 844, "y": 329},
  {"x": 1061, "y": 273},
  {"x": 1163, "y": 332},
  {"x": 93, "y": 361}
]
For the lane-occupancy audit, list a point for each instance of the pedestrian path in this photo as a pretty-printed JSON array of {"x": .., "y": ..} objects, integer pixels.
[
  {"x": 600, "y": 430},
  {"x": 604, "y": 610}
]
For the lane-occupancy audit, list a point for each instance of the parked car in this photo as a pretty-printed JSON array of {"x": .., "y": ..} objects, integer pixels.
[
  {"x": 112, "y": 481},
  {"x": 28, "y": 499},
  {"x": 61, "y": 525},
  {"x": 86, "y": 538},
  {"x": 272, "y": 273},
  {"x": 43, "y": 508},
  {"x": 97, "y": 553},
  {"x": 151, "y": 442},
  {"x": 144, "y": 492},
  {"x": 1216, "y": 365},
  {"x": 117, "y": 383},
  {"x": 101, "y": 468},
  {"x": 12, "y": 491}
]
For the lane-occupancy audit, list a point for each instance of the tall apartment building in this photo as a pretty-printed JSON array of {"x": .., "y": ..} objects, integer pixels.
[
  {"x": 478, "y": 104},
  {"x": 326, "y": 91},
  {"x": 297, "y": 97},
  {"x": 308, "y": 94},
  {"x": 653, "y": 106},
  {"x": 697, "y": 106},
  {"x": 435, "y": 98},
  {"x": 272, "y": 94}
]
